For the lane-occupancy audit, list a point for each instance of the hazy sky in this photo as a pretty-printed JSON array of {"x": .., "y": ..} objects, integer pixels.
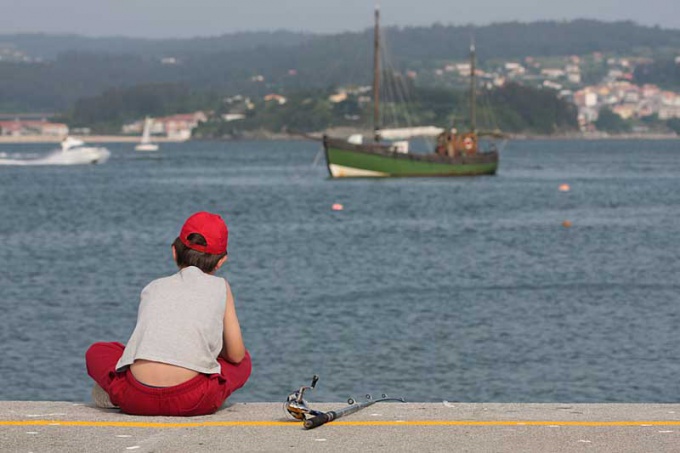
[{"x": 185, "y": 18}]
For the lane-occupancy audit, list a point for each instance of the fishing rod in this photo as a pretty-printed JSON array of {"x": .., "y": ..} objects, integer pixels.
[
  {"x": 325, "y": 417},
  {"x": 297, "y": 407}
]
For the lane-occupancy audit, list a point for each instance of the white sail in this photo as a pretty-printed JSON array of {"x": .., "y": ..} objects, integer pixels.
[
  {"x": 146, "y": 135},
  {"x": 404, "y": 133},
  {"x": 145, "y": 144}
]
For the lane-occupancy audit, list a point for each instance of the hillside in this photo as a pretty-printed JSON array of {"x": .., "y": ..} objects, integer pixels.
[
  {"x": 56, "y": 71},
  {"x": 507, "y": 40},
  {"x": 49, "y": 47}
]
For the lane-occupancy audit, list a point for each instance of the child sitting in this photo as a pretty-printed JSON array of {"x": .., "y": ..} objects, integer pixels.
[{"x": 186, "y": 354}]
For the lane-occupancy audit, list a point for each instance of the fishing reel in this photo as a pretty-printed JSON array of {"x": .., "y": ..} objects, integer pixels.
[{"x": 296, "y": 405}]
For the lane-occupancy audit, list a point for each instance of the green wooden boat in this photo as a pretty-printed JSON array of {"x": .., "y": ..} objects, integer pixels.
[
  {"x": 455, "y": 154},
  {"x": 345, "y": 160}
]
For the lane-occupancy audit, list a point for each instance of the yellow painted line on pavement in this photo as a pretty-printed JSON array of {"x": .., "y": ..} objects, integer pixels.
[
  {"x": 159, "y": 425},
  {"x": 139, "y": 424}
]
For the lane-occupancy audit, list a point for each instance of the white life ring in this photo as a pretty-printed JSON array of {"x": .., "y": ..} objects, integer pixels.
[{"x": 468, "y": 143}]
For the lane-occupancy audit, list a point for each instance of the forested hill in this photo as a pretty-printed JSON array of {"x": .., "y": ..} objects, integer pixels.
[
  {"x": 73, "y": 67},
  {"x": 49, "y": 47},
  {"x": 507, "y": 40}
]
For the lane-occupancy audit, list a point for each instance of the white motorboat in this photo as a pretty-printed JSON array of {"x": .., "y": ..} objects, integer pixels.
[
  {"x": 72, "y": 152},
  {"x": 145, "y": 144}
]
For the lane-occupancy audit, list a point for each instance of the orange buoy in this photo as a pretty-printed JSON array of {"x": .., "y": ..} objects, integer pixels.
[
  {"x": 337, "y": 207},
  {"x": 564, "y": 188},
  {"x": 566, "y": 223}
]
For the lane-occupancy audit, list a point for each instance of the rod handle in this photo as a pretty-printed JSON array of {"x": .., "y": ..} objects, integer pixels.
[{"x": 319, "y": 420}]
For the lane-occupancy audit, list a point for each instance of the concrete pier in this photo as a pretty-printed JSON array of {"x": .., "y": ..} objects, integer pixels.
[{"x": 428, "y": 427}]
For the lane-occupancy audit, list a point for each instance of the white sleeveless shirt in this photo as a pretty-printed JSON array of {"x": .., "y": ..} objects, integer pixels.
[{"x": 180, "y": 322}]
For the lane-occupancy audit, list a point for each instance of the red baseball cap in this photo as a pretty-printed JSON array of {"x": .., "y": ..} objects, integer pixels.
[{"x": 211, "y": 227}]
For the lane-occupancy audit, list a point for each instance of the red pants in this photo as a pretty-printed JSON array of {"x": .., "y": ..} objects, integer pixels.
[{"x": 201, "y": 395}]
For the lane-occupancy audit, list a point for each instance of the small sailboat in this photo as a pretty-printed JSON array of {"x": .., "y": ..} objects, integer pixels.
[
  {"x": 457, "y": 153},
  {"x": 145, "y": 144}
]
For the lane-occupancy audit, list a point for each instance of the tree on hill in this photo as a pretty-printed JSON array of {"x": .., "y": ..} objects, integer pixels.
[
  {"x": 674, "y": 125},
  {"x": 665, "y": 73},
  {"x": 525, "y": 109},
  {"x": 609, "y": 121},
  {"x": 108, "y": 111}
]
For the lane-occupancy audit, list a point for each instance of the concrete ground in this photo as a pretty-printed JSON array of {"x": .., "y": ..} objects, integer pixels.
[{"x": 430, "y": 427}]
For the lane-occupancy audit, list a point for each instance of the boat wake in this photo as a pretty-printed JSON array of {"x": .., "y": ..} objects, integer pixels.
[{"x": 56, "y": 158}]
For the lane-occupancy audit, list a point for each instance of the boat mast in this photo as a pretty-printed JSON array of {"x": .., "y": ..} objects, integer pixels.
[
  {"x": 376, "y": 76},
  {"x": 473, "y": 93}
]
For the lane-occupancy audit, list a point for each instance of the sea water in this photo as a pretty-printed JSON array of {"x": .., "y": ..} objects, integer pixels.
[{"x": 456, "y": 289}]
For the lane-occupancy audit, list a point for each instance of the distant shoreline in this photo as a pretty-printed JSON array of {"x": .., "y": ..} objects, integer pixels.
[
  {"x": 32, "y": 139},
  {"x": 261, "y": 135},
  {"x": 604, "y": 136}
]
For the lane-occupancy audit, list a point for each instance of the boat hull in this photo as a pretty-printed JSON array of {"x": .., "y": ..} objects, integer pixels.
[
  {"x": 345, "y": 160},
  {"x": 146, "y": 147}
]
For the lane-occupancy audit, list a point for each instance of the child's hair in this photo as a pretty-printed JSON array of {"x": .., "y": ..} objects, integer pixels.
[{"x": 189, "y": 257}]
